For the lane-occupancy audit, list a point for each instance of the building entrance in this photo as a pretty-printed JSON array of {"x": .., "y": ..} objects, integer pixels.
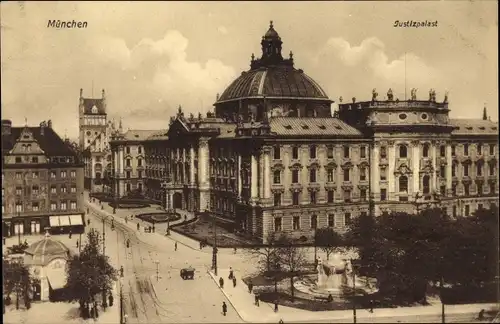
[{"x": 177, "y": 200}]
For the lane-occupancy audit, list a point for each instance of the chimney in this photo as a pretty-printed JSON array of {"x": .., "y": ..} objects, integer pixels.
[
  {"x": 103, "y": 94},
  {"x": 485, "y": 114},
  {"x": 49, "y": 124},
  {"x": 81, "y": 93},
  {"x": 6, "y": 127},
  {"x": 42, "y": 128}
]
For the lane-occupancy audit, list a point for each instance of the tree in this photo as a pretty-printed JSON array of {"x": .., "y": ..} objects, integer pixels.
[
  {"x": 291, "y": 258},
  {"x": 89, "y": 273},
  {"x": 266, "y": 256},
  {"x": 17, "y": 279},
  {"x": 328, "y": 241}
]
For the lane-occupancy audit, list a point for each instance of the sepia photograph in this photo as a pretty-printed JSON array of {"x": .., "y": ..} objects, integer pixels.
[{"x": 250, "y": 162}]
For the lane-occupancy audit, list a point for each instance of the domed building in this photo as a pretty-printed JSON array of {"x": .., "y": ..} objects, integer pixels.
[
  {"x": 272, "y": 158},
  {"x": 47, "y": 260}
]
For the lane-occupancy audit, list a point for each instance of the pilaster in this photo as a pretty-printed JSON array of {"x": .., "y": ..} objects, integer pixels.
[
  {"x": 415, "y": 155},
  {"x": 191, "y": 166},
  {"x": 374, "y": 173},
  {"x": 254, "y": 168},
  {"x": 240, "y": 183},
  {"x": 449, "y": 165},
  {"x": 434, "y": 164},
  {"x": 391, "y": 156}
]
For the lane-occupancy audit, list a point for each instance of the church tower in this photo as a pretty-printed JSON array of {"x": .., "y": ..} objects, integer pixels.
[{"x": 92, "y": 119}]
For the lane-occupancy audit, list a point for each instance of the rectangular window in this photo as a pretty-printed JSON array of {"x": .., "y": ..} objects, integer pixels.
[
  {"x": 362, "y": 174},
  {"x": 312, "y": 175},
  {"x": 339, "y": 221},
  {"x": 479, "y": 149},
  {"x": 383, "y": 152},
  {"x": 63, "y": 174},
  {"x": 383, "y": 194},
  {"x": 295, "y": 176},
  {"x": 72, "y": 205},
  {"x": 64, "y": 189},
  {"x": 295, "y": 152},
  {"x": 34, "y": 190},
  {"x": 492, "y": 169},
  {"x": 53, "y": 174},
  {"x": 277, "y": 153},
  {"x": 362, "y": 152},
  {"x": 443, "y": 190},
  {"x": 314, "y": 222},
  {"x": 362, "y": 194},
  {"x": 295, "y": 198},
  {"x": 346, "y": 175},
  {"x": 347, "y": 219},
  {"x": 466, "y": 170},
  {"x": 128, "y": 174},
  {"x": 454, "y": 211},
  {"x": 442, "y": 151},
  {"x": 277, "y": 224},
  {"x": 480, "y": 206},
  {"x": 312, "y": 152},
  {"x": 442, "y": 171},
  {"x": 479, "y": 170},
  {"x": 453, "y": 150},
  {"x": 73, "y": 188},
  {"x": 330, "y": 195},
  {"x": 329, "y": 174},
  {"x": 19, "y": 175},
  {"x": 454, "y": 170},
  {"x": 19, "y": 207},
  {"x": 466, "y": 149},
  {"x": 127, "y": 149},
  {"x": 139, "y": 174},
  {"x": 467, "y": 210},
  {"x": 313, "y": 197},
  {"x": 53, "y": 206},
  {"x": 331, "y": 220},
  {"x": 347, "y": 196},
  {"x": 277, "y": 177},
  {"x": 383, "y": 174},
  {"x": 363, "y": 214},
  {"x": 73, "y": 174},
  {"x": 479, "y": 189},
  {"x": 139, "y": 149},
  {"x": 34, "y": 175},
  {"x": 454, "y": 190},
  {"x": 296, "y": 223},
  {"x": 329, "y": 152},
  {"x": 19, "y": 191},
  {"x": 492, "y": 188},
  {"x": 492, "y": 149},
  {"x": 346, "y": 152},
  {"x": 277, "y": 199},
  {"x": 466, "y": 189},
  {"x": 34, "y": 206},
  {"x": 53, "y": 189},
  {"x": 139, "y": 162},
  {"x": 18, "y": 160},
  {"x": 63, "y": 205},
  {"x": 128, "y": 162}
]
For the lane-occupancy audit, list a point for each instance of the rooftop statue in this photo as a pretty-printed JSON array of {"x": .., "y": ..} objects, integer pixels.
[
  {"x": 413, "y": 92},
  {"x": 390, "y": 96},
  {"x": 353, "y": 99},
  {"x": 340, "y": 99},
  {"x": 374, "y": 94},
  {"x": 199, "y": 116},
  {"x": 446, "y": 97}
]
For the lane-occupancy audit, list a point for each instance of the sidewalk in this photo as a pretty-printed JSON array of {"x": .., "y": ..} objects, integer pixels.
[{"x": 243, "y": 302}]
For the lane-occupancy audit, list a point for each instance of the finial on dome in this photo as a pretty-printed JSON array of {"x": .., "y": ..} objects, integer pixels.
[
  {"x": 291, "y": 55},
  {"x": 271, "y": 24},
  {"x": 253, "y": 57}
]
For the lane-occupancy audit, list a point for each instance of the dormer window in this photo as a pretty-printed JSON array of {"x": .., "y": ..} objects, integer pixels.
[
  {"x": 288, "y": 127},
  {"x": 305, "y": 127},
  {"x": 94, "y": 109}
]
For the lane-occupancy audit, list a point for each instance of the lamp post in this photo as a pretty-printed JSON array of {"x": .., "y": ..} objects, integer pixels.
[
  {"x": 442, "y": 302},
  {"x": 214, "y": 250},
  {"x": 157, "y": 270},
  {"x": 353, "y": 292},
  {"x": 19, "y": 228},
  {"x": 104, "y": 304}
]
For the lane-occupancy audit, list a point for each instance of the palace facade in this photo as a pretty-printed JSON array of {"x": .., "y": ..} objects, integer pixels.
[
  {"x": 42, "y": 182},
  {"x": 272, "y": 158}
]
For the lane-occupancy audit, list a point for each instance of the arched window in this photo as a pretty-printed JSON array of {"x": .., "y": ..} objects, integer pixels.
[
  {"x": 277, "y": 177},
  {"x": 425, "y": 152},
  {"x": 403, "y": 151},
  {"x": 426, "y": 185},
  {"x": 314, "y": 221},
  {"x": 403, "y": 183}
]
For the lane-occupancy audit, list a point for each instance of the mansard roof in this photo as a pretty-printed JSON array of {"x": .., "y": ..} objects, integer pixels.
[
  {"x": 474, "y": 127},
  {"x": 312, "y": 126}
]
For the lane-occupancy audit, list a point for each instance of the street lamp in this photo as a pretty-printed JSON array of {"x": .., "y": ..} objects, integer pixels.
[
  {"x": 353, "y": 291},
  {"x": 214, "y": 250}
]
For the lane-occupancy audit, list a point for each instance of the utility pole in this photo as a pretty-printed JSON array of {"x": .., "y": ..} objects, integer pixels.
[
  {"x": 121, "y": 303},
  {"x": 80, "y": 244},
  {"x": 442, "y": 302},
  {"x": 353, "y": 292}
]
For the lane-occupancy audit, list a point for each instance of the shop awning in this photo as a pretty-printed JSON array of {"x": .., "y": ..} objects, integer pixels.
[
  {"x": 64, "y": 220},
  {"x": 76, "y": 219},
  {"x": 54, "y": 221},
  {"x": 56, "y": 280}
]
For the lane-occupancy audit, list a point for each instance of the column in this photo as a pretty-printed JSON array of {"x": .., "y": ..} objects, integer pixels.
[
  {"x": 391, "y": 159},
  {"x": 374, "y": 172},
  {"x": 115, "y": 167},
  {"x": 262, "y": 178},
  {"x": 267, "y": 173},
  {"x": 203, "y": 163},
  {"x": 448, "y": 169},
  {"x": 254, "y": 192},
  {"x": 240, "y": 180},
  {"x": 415, "y": 155},
  {"x": 434, "y": 165},
  {"x": 120, "y": 160},
  {"x": 191, "y": 165}
]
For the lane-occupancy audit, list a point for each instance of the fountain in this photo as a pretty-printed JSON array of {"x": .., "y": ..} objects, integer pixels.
[{"x": 334, "y": 276}]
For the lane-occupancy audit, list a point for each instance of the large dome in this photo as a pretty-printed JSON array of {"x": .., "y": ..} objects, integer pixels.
[
  {"x": 273, "y": 76},
  {"x": 273, "y": 81}
]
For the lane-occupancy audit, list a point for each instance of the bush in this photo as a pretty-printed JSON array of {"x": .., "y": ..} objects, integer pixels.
[
  {"x": 159, "y": 217},
  {"x": 122, "y": 205}
]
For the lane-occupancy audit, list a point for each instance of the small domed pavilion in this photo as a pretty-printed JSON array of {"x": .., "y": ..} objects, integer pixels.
[{"x": 47, "y": 260}]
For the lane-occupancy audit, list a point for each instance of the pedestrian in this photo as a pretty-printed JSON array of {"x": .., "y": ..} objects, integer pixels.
[
  {"x": 481, "y": 315},
  {"x": 121, "y": 271},
  {"x": 111, "y": 299},
  {"x": 77, "y": 244},
  {"x": 201, "y": 245},
  {"x": 257, "y": 300},
  {"x": 250, "y": 287},
  {"x": 234, "y": 281},
  {"x": 96, "y": 310},
  {"x": 224, "y": 308},
  {"x": 87, "y": 210},
  {"x": 230, "y": 273},
  {"x": 281, "y": 321},
  {"x": 88, "y": 221},
  {"x": 70, "y": 234},
  {"x": 92, "y": 311},
  {"x": 185, "y": 218},
  {"x": 126, "y": 220},
  {"x": 276, "y": 306},
  {"x": 371, "y": 305},
  {"x": 329, "y": 298},
  {"x": 221, "y": 282},
  {"x": 175, "y": 246},
  {"x": 138, "y": 226},
  {"x": 234, "y": 250},
  {"x": 125, "y": 317}
]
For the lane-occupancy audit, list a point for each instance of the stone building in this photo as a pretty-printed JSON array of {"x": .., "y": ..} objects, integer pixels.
[
  {"x": 42, "y": 181},
  {"x": 272, "y": 158},
  {"x": 94, "y": 134},
  {"x": 128, "y": 159}
]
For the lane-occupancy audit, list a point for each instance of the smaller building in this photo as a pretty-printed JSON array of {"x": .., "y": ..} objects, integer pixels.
[
  {"x": 47, "y": 261},
  {"x": 129, "y": 163}
]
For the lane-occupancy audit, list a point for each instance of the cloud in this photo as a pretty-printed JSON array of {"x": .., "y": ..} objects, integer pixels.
[{"x": 223, "y": 30}]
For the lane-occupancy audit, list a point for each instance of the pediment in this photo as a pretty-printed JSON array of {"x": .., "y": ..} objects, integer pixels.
[
  {"x": 331, "y": 165},
  {"x": 403, "y": 169},
  {"x": 177, "y": 128}
]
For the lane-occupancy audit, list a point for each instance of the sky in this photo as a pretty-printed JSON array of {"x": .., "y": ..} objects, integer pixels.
[{"x": 151, "y": 57}]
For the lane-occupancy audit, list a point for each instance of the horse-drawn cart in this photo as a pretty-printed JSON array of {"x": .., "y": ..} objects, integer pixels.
[{"x": 187, "y": 273}]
